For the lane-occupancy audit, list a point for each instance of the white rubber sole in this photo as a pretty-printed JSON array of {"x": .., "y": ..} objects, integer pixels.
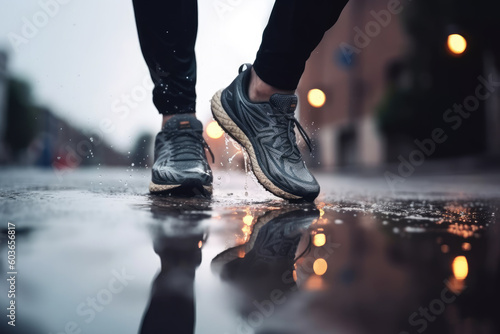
[
  {"x": 235, "y": 132},
  {"x": 159, "y": 188}
]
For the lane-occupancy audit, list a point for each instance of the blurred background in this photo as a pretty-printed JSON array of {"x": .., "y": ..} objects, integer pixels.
[{"x": 393, "y": 82}]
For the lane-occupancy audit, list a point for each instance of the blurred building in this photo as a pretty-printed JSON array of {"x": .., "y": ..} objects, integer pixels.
[
  {"x": 349, "y": 67},
  {"x": 388, "y": 81}
]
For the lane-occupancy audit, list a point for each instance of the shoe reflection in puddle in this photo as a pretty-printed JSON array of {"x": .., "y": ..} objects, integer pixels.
[
  {"x": 262, "y": 267},
  {"x": 177, "y": 239}
]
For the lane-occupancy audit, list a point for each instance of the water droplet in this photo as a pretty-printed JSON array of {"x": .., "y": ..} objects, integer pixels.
[
  {"x": 92, "y": 139},
  {"x": 58, "y": 158},
  {"x": 132, "y": 164}
]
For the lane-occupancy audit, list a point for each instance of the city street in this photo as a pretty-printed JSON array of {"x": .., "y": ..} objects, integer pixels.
[{"x": 95, "y": 253}]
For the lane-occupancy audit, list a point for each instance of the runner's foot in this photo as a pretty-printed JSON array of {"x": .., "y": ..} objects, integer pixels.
[
  {"x": 181, "y": 165},
  {"x": 266, "y": 131}
]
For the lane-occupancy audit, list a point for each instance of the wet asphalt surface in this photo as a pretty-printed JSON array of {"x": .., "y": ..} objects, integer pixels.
[{"x": 95, "y": 253}]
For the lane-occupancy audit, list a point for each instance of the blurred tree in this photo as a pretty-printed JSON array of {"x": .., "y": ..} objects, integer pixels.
[
  {"x": 35, "y": 135},
  {"x": 21, "y": 116}
]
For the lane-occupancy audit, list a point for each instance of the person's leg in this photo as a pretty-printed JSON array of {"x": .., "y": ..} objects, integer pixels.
[
  {"x": 257, "y": 109},
  {"x": 294, "y": 30},
  {"x": 167, "y": 33}
]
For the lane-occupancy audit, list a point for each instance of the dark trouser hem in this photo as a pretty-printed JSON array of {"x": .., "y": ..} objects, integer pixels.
[
  {"x": 294, "y": 30},
  {"x": 167, "y": 33}
]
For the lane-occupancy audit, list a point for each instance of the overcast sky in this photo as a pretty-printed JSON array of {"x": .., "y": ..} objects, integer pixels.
[{"x": 83, "y": 58}]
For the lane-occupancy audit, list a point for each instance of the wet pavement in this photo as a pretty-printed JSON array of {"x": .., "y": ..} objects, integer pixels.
[{"x": 95, "y": 253}]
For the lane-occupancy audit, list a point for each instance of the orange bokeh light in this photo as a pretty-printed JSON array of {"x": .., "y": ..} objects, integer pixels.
[
  {"x": 214, "y": 131},
  {"x": 456, "y": 44},
  {"x": 316, "y": 98}
]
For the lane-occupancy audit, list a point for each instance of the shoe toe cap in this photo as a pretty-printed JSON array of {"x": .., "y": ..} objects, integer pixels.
[
  {"x": 308, "y": 192},
  {"x": 171, "y": 174}
]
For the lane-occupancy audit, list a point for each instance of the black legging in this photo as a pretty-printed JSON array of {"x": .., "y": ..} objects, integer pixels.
[{"x": 167, "y": 33}]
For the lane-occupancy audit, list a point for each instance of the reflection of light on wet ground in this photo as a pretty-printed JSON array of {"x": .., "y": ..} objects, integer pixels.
[
  {"x": 243, "y": 235},
  {"x": 456, "y": 285},
  {"x": 463, "y": 230},
  {"x": 466, "y": 246},
  {"x": 248, "y": 219},
  {"x": 319, "y": 239},
  {"x": 320, "y": 266},
  {"x": 314, "y": 283},
  {"x": 460, "y": 267}
]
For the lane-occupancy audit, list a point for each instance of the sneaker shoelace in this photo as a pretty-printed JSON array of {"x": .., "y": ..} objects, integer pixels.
[
  {"x": 286, "y": 123},
  {"x": 287, "y": 127},
  {"x": 183, "y": 143}
]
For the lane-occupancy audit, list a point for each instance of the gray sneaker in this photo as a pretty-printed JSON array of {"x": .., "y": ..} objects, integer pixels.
[
  {"x": 181, "y": 166},
  {"x": 266, "y": 131}
]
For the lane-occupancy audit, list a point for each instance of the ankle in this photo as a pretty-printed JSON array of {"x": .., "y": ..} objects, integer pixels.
[
  {"x": 167, "y": 117},
  {"x": 259, "y": 91}
]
